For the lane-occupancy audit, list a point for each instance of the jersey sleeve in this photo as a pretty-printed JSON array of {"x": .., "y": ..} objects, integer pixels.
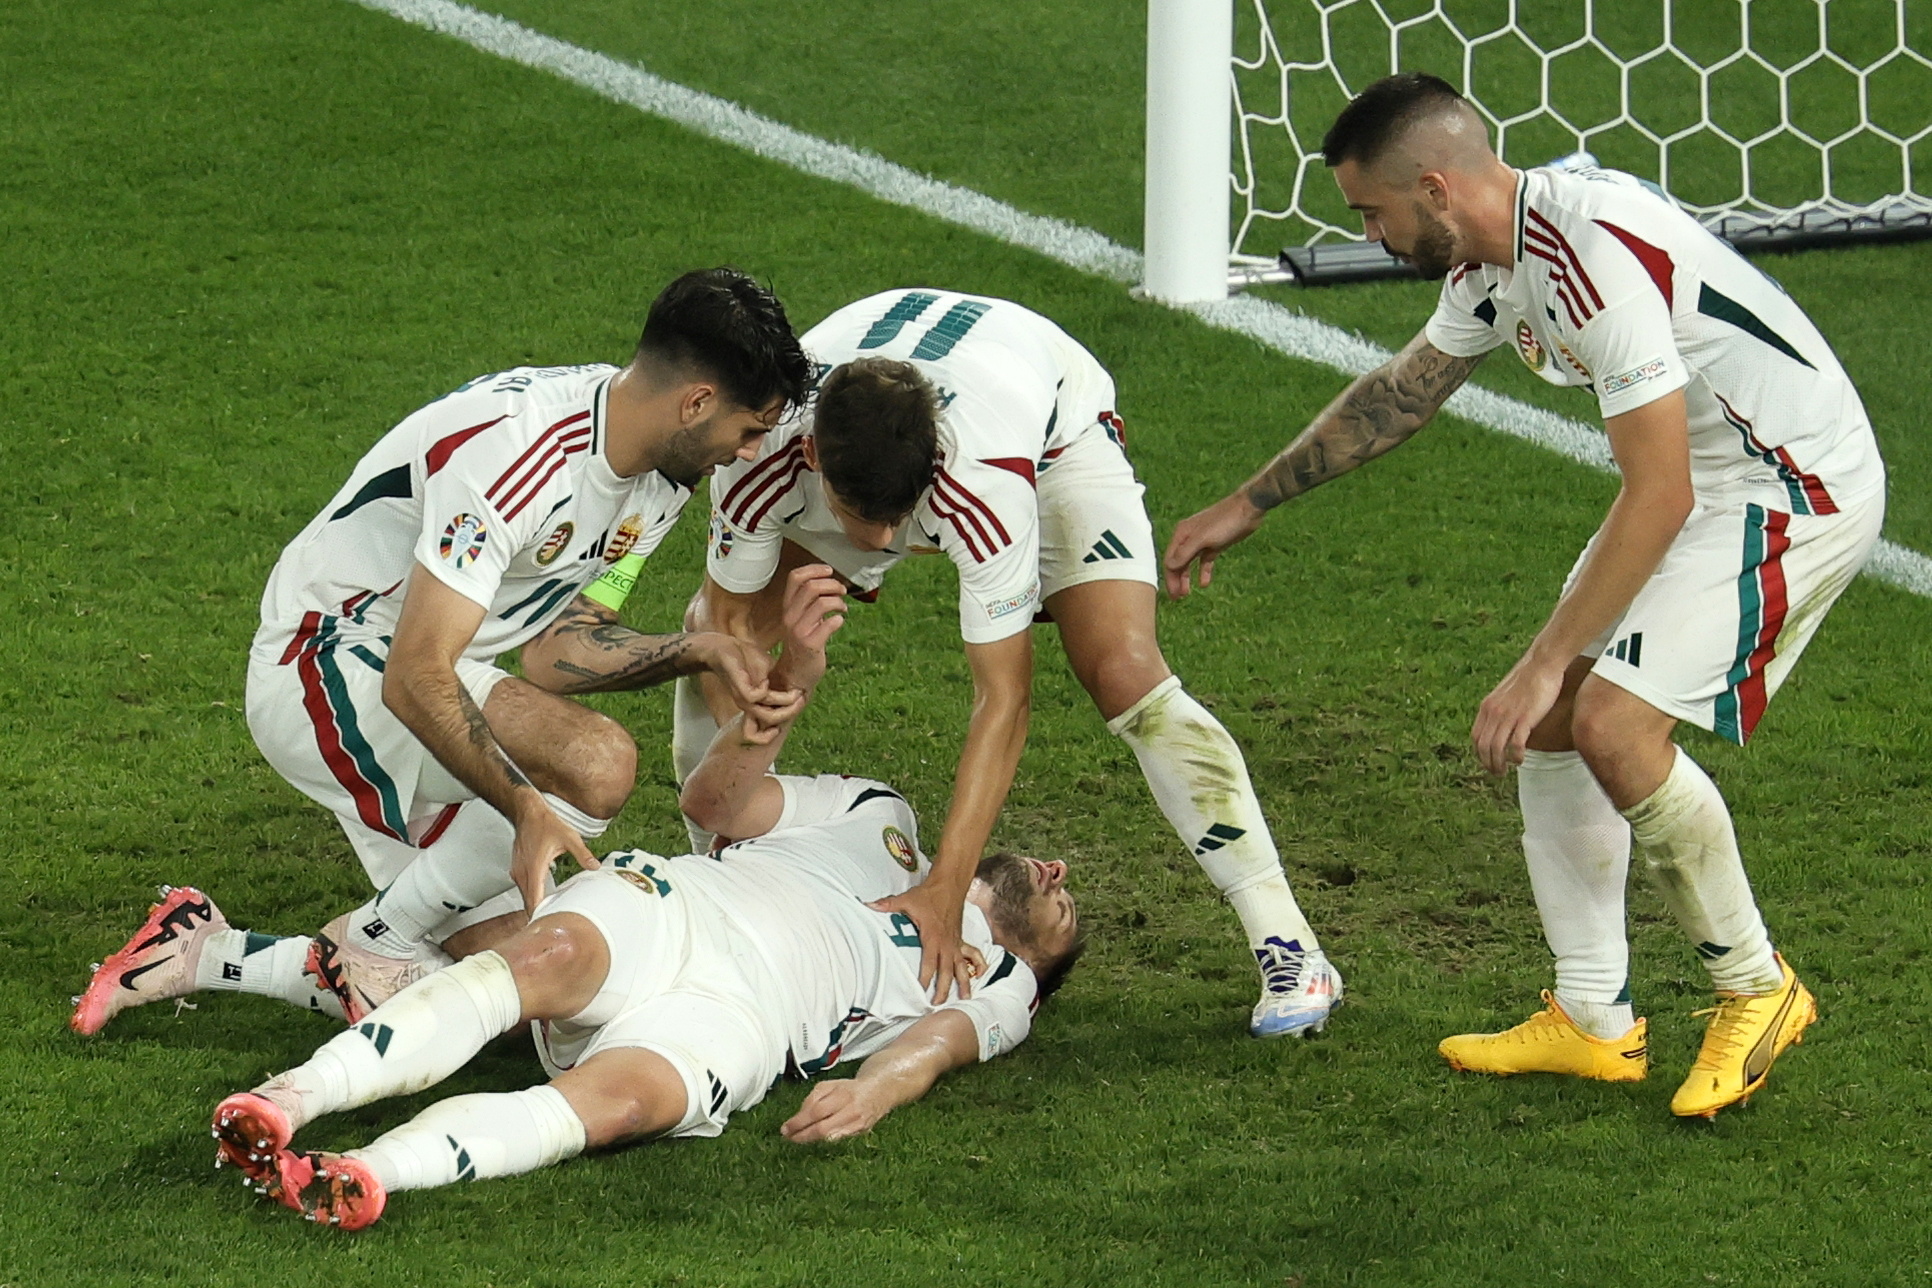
[
  {"x": 745, "y": 499},
  {"x": 482, "y": 504},
  {"x": 1463, "y": 324},
  {"x": 1631, "y": 352},
  {"x": 830, "y": 796},
  {"x": 989, "y": 524},
  {"x": 1001, "y": 1007}
]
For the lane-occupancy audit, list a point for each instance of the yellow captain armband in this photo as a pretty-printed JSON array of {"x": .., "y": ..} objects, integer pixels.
[{"x": 614, "y": 587}]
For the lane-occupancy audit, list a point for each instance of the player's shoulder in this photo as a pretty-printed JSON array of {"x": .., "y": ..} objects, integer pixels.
[
  {"x": 1606, "y": 235},
  {"x": 745, "y": 491}
]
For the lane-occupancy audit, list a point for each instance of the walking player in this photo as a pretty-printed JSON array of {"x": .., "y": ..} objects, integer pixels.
[{"x": 1752, "y": 493}]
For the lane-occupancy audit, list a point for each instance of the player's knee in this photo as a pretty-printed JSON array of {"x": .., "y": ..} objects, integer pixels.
[
  {"x": 550, "y": 954},
  {"x": 604, "y": 764},
  {"x": 1119, "y": 678}
]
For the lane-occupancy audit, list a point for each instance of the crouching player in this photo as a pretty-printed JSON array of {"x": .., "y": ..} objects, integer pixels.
[
  {"x": 667, "y": 993},
  {"x": 973, "y": 427}
]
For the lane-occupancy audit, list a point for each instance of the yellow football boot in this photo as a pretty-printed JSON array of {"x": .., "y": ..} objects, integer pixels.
[
  {"x": 1550, "y": 1042},
  {"x": 1745, "y": 1036}
]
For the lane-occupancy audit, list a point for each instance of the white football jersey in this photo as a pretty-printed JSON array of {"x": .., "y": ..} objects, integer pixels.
[
  {"x": 1015, "y": 390},
  {"x": 1615, "y": 288},
  {"x": 500, "y": 489},
  {"x": 846, "y": 977}
]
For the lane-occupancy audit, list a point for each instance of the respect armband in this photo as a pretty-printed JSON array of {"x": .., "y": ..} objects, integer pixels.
[{"x": 615, "y": 586}]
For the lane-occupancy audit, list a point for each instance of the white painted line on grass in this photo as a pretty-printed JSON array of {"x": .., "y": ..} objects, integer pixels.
[{"x": 1281, "y": 329}]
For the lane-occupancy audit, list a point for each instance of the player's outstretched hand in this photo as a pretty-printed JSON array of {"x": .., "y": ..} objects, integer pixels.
[
  {"x": 946, "y": 960},
  {"x": 1512, "y": 711},
  {"x": 833, "y": 1111},
  {"x": 1204, "y": 536},
  {"x": 541, "y": 838},
  {"x": 814, "y": 611}
]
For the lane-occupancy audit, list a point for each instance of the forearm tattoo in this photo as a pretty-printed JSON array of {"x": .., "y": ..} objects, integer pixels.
[
  {"x": 484, "y": 741},
  {"x": 1379, "y": 411},
  {"x": 605, "y": 655}
]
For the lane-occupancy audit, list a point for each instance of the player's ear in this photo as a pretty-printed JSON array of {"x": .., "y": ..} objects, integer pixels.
[
  {"x": 1434, "y": 186},
  {"x": 809, "y": 446},
  {"x": 700, "y": 397}
]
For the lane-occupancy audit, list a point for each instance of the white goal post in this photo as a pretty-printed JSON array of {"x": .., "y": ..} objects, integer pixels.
[{"x": 1779, "y": 123}]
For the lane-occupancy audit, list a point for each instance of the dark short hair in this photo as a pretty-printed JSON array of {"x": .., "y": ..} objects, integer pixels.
[
  {"x": 1375, "y": 118},
  {"x": 721, "y": 323},
  {"x": 1049, "y": 977},
  {"x": 876, "y": 424}
]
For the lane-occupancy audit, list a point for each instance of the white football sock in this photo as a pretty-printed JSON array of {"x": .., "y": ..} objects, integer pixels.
[
  {"x": 692, "y": 730},
  {"x": 1577, "y": 847},
  {"x": 475, "y": 1138},
  {"x": 468, "y": 865},
  {"x": 1684, "y": 833},
  {"x": 241, "y": 961},
  {"x": 1201, "y": 784},
  {"x": 414, "y": 1040}
]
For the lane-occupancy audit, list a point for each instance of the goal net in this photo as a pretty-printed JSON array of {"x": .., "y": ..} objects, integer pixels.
[{"x": 1789, "y": 122}]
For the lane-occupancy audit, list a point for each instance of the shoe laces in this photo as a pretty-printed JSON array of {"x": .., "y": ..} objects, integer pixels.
[
  {"x": 1726, "y": 1029},
  {"x": 1281, "y": 969}
]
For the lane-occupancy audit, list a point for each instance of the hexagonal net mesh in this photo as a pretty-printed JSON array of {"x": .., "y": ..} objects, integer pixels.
[{"x": 1761, "y": 116}]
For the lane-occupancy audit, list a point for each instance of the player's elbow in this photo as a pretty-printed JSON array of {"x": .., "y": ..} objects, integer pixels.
[{"x": 704, "y": 804}]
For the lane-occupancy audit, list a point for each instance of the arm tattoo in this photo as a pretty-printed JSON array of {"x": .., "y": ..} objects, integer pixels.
[
  {"x": 485, "y": 741},
  {"x": 1378, "y": 412},
  {"x": 604, "y": 655}
]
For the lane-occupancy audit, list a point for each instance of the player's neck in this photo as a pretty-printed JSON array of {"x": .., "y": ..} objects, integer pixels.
[
  {"x": 1489, "y": 216},
  {"x": 638, "y": 421}
]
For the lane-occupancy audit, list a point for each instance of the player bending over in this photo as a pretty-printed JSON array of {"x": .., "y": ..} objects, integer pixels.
[
  {"x": 1752, "y": 493},
  {"x": 949, "y": 423},
  {"x": 668, "y": 993},
  {"x": 472, "y": 529}
]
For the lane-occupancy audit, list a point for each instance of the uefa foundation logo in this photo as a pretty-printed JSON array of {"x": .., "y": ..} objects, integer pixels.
[{"x": 463, "y": 540}]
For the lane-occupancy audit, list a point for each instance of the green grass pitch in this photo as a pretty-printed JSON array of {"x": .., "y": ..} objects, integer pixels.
[{"x": 246, "y": 237}]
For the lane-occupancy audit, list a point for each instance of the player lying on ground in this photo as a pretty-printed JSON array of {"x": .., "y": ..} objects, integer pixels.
[
  {"x": 670, "y": 992},
  {"x": 1752, "y": 493},
  {"x": 474, "y": 528},
  {"x": 947, "y": 423}
]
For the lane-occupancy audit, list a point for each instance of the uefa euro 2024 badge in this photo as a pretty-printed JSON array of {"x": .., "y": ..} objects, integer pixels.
[{"x": 463, "y": 539}]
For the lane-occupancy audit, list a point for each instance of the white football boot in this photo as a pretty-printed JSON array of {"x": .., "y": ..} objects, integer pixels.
[{"x": 1298, "y": 990}]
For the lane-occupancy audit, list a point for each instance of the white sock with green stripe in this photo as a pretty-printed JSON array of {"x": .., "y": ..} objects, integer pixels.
[
  {"x": 475, "y": 1138},
  {"x": 1577, "y": 848},
  {"x": 1684, "y": 833},
  {"x": 414, "y": 1040},
  {"x": 1201, "y": 784},
  {"x": 241, "y": 961}
]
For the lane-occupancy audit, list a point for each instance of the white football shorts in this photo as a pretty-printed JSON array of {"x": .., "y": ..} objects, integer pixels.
[
  {"x": 680, "y": 985},
  {"x": 1713, "y": 633},
  {"x": 314, "y": 705}
]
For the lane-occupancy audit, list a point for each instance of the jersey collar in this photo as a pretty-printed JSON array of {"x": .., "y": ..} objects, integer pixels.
[{"x": 1521, "y": 214}]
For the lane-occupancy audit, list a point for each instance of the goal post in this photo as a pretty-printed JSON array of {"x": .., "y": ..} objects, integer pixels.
[{"x": 1780, "y": 124}]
